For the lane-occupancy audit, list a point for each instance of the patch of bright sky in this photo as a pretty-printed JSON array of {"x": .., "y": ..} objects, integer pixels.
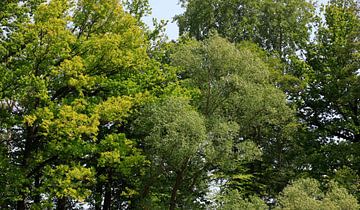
[{"x": 167, "y": 9}]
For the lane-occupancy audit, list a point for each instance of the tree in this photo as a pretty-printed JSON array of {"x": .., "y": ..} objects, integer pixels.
[
  {"x": 333, "y": 97},
  {"x": 307, "y": 194},
  {"x": 234, "y": 200},
  {"x": 241, "y": 105},
  {"x": 304, "y": 193},
  {"x": 277, "y": 26},
  {"x": 174, "y": 138},
  {"x": 138, "y": 8},
  {"x": 72, "y": 73},
  {"x": 98, "y": 111},
  {"x": 330, "y": 105}
]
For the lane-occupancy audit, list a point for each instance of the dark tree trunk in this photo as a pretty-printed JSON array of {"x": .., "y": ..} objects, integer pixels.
[
  {"x": 98, "y": 198},
  {"x": 178, "y": 181},
  {"x": 108, "y": 194},
  {"x": 37, "y": 197},
  {"x": 174, "y": 191},
  {"x": 61, "y": 204},
  {"x": 20, "y": 205}
]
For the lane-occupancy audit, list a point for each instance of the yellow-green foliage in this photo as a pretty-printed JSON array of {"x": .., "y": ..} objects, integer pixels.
[
  {"x": 72, "y": 71},
  {"x": 305, "y": 194},
  {"x": 68, "y": 181}
]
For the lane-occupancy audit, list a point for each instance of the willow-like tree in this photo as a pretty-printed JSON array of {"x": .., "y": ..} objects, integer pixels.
[
  {"x": 242, "y": 106},
  {"x": 174, "y": 137}
]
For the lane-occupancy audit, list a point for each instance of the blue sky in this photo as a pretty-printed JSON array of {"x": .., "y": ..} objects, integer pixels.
[{"x": 167, "y": 9}]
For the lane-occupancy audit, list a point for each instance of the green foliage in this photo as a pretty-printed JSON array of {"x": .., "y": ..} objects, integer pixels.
[
  {"x": 175, "y": 129},
  {"x": 334, "y": 58},
  {"x": 138, "y": 8},
  {"x": 175, "y": 141},
  {"x": 68, "y": 181},
  {"x": 349, "y": 179},
  {"x": 234, "y": 200},
  {"x": 329, "y": 106},
  {"x": 72, "y": 75},
  {"x": 280, "y": 26},
  {"x": 307, "y": 194},
  {"x": 240, "y": 101},
  {"x": 98, "y": 110}
]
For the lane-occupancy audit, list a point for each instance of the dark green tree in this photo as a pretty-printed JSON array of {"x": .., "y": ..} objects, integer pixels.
[
  {"x": 280, "y": 26},
  {"x": 330, "y": 105}
]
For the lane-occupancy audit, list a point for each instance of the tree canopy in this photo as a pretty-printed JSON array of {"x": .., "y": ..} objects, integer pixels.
[{"x": 254, "y": 106}]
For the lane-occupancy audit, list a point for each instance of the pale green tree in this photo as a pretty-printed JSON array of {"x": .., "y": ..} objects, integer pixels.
[
  {"x": 174, "y": 138},
  {"x": 237, "y": 95},
  {"x": 307, "y": 194}
]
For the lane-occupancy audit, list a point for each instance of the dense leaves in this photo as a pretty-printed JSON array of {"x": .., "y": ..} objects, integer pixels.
[
  {"x": 240, "y": 102},
  {"x": 280, "y": 26},
  {"x": 246, "y": 110},
  {"x": 62, "y": 108},
  {"x": 330, "y": 105},
  {"x": 306, "y": 194}
]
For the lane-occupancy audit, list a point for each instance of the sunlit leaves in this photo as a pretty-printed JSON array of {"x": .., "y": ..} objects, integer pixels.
[
  {"x": 58, "y": 64},
  {"x": 307, "y": 194},
  {"x": 68, "y": 181}
]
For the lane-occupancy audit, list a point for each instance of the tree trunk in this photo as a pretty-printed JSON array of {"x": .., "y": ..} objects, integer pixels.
[
  {"x": 174, "y": 190},
  {"x": 107, "y": 199},
  {"x": 37, "y": 197},
  {"x": 179, "y": 178},
  {"x": 61, "y": 204},
  {"x": 20, "y": 205},
  {"x": 98, "y": 196}
]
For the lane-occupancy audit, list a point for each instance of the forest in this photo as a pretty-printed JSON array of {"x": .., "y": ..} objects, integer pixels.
[{"x": 255, "y": 106}]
